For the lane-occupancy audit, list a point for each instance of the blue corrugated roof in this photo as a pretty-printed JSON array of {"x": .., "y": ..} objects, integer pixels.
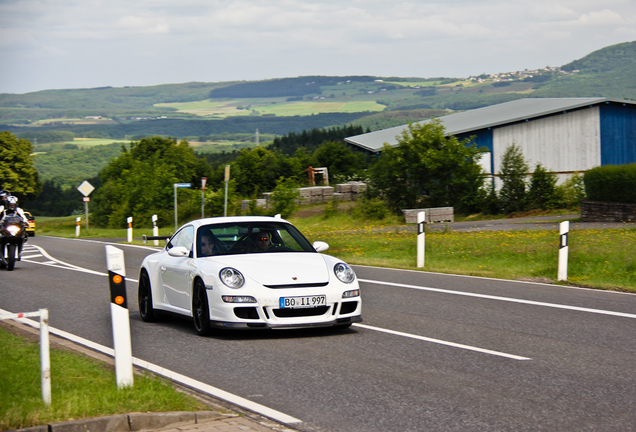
[{"x": 482, "y": 118}]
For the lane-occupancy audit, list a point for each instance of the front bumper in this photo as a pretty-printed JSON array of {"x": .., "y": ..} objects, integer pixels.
[{"x": 267, "y": 314}]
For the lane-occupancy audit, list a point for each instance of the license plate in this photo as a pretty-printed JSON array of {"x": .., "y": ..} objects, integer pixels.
[{"x": 302, "y": 302}]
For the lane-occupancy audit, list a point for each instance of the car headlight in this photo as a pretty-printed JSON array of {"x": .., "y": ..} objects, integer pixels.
[
  {"x": 344, "y": 273},
  {"x": 231, "y": 277}
]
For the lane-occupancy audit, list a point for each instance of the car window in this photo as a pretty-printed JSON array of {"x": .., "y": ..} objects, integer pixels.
[
  {"x": 184, "y": 238},
  {"x": 258, "y": 237}
]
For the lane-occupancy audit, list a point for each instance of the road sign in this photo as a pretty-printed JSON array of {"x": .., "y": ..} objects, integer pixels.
[
  {"x": 180, "y": 185},
  {"x": 86, "y": 188}
]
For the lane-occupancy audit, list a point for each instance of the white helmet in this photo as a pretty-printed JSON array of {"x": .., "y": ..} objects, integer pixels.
[{"x": 12, "y": 202}]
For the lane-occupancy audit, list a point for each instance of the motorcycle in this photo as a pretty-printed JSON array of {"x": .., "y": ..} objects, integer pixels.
[{"x": 12, "y": 238}]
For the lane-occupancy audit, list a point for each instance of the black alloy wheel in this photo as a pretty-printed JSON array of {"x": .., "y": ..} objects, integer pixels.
[
  {"x": 144, "y": 298},
  {"x": 200, "y": 309}
]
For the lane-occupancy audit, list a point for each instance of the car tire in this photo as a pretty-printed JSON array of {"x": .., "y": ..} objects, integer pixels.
[
  {"x": 144, "y": 298},
  {"x": 200, "y": 309}
]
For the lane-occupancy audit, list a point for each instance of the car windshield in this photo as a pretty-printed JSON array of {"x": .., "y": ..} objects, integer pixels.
[{"x": 250, "y": 237}]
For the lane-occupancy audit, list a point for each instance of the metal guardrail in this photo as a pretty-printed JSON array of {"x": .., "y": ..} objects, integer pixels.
[{"x": 45, "y": 356}]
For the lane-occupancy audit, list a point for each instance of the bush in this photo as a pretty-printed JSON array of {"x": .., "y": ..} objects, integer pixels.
[
  {"x": 572, "y": 191},
  {"x": 611, "y": 183},
  {"x": 285, "y": 197},
  {"x": 371, "y": 208}
]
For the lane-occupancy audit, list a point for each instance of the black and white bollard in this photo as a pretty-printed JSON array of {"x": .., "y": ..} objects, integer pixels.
[
  {"x": 564, "y": 229},
  {"x": 120, "y": 316},
  {"x": 155, "y": 229},
  {"x": 421, "y": 239}
]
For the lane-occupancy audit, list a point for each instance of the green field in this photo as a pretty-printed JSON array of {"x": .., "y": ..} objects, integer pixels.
[
  {"x": 275, "y": 106},
  {"x": 94, "y": 142}
]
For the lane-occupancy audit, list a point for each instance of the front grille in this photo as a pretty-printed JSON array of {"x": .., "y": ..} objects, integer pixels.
[
  {"x": 293, "y": 313},
  {"x": 305, "y": 285}
]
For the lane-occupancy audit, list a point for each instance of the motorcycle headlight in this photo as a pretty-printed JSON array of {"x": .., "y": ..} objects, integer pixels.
[
  {"x": 344, "y": 273},
  {"x": 231, "y": 277},
  {"x": 13, "y": 230}
]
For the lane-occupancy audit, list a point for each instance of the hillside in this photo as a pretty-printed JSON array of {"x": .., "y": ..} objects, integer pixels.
[{"x": 207, "y": 110}]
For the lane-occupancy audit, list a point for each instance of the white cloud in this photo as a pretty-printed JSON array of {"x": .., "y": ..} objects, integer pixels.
[{"x": 218, "y": 40}]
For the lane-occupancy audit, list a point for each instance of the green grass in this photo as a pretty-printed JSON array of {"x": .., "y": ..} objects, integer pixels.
[
  {"x": 598, "y": 258},
  {"x": 275, "y": 106},
  {"x": 81, "y": 387}
]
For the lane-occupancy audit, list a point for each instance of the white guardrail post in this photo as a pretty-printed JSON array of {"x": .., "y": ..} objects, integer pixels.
[
  {"x": 120, "y": 316},
  {"x": 130, "y": 229},
  {"x": 78, "y": 220},
  {"x": 45, "y": 355},
  {"x": 155, "y": 229},
  {"x": 564, "y": 229},
  {"x": 421, "y": 239}
]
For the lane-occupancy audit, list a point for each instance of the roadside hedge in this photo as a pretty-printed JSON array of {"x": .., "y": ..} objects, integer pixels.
[{"x": 611, "y": 183}]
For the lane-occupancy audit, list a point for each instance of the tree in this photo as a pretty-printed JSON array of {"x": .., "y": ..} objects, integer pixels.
[
  {"x": 543, "y": 193},
  {"x": 17, "y": 172},
  {"x": 140, "y": 183},
  {"x": 514, "y": 169},
  {"x": 428, "y": 168},
  {"x": 340, "y": 160}
]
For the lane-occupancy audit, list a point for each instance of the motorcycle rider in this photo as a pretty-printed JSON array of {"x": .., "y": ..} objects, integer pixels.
[{"x": 12, "y": 208}]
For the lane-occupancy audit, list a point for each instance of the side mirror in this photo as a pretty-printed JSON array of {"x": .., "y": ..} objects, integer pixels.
[
  {"x": 178, "y": 252},
  {"x": 320, "y": 246}
]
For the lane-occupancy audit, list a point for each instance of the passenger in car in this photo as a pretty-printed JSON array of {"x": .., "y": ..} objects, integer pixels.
[{"x": 260, "y": 241}]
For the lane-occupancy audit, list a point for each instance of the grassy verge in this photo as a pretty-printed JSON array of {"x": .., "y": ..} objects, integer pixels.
[
  {"x": 81, "y": 387},
  {"x": 598, "y": 258}
]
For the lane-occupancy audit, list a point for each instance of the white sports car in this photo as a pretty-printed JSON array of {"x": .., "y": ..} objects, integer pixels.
[{"x": 248, "y": 272}]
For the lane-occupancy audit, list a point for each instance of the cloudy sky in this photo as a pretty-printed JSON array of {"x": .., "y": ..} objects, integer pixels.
[{"x": 54, "y": 44}]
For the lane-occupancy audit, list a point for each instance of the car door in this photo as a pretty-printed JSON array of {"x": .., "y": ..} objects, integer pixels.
[{"x": 175, "y": 270}]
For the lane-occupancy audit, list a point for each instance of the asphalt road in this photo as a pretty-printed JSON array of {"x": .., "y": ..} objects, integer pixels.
[{"x": 434, "y": 353}]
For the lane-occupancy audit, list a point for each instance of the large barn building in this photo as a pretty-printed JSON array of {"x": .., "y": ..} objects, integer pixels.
[{"x": 565, "y": 135}]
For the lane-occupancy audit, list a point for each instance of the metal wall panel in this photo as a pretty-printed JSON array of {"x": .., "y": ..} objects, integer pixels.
[
  {"x": 564, "y": 143},
  {"x": 618, "y": 134}
]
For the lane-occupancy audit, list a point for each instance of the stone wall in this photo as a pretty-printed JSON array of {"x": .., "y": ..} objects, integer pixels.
[
  {"x": 434, "y": 214},
  {"x": 599, "y": 211},
  {"x": 351, "y": 191}
]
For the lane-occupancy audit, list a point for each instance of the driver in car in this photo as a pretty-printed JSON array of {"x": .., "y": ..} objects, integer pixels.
[{"x": 207, "y": 245}]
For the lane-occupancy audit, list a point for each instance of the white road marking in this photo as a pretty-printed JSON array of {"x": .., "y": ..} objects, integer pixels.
[
  {"x": 506, "y": 299},
  {"x": 182, "y": 379},
  {"x": 442, "y": 342},
  {"x": 54, "y": 262}
]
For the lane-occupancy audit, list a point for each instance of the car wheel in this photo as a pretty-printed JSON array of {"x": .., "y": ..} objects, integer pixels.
[
  {"x": 200, "y": 309},
  {"x": 144, "y": 298}
]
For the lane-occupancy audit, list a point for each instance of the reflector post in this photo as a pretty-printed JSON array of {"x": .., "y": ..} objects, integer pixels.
[{"x": 120, "y": 316}]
